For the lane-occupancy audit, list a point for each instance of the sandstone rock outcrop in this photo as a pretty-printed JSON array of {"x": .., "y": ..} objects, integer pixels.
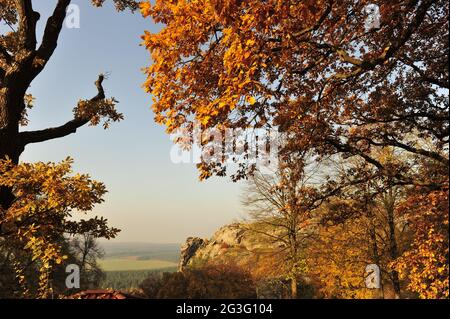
[
  {"x": 189, "y": 249},
  {"x": 235, "y": 242},
  {"x": 242, "y": 245}
]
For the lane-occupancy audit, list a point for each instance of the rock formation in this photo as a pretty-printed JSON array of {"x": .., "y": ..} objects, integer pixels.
[
  {"x": 235, "y": 242},
  {"x": 241, "y": 245},
  {"x": 189, "y": 249}
]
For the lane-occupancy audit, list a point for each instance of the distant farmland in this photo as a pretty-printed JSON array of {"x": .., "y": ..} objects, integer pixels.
[
  {"x": 126, "y": 265},
  {"x": 133, "y": 263}
]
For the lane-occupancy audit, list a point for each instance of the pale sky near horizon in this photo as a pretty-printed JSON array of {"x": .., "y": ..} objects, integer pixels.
[{"x": 150, "y": 198}]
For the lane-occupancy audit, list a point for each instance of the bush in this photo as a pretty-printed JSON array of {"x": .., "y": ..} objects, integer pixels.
[{"x": 211, "y": 281}]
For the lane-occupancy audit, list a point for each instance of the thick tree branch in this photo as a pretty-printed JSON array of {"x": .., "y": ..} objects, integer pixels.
[
  {"x": 53, "y": 132},
  {"x": 63, "y": 130},
  {"x": 50, "y": 37},
  {"x": 28, "y": 19},
  {"x": 4, "y": 55},
  {"x": 346, "y": 148},
  {"x": 429, "y": 154},
  {"x": 439, "y": 82},
  {"x": 391, "y": 142}
]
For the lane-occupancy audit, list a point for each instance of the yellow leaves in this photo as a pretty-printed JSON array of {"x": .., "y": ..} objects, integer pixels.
[
  {"x": 250, "y": 42},
  {"x": 337, "y": 258},
  {"x": 425, "y": 264},
  {"x": 205, "y": 119},
  {"x": 251, "y": 100},
  {"x": 29, "y": 103},
  {"x": 39, "y": 62},
  {"x": 193, "y": 60},
  {"x": 95, "y": 111},
  {"x": 47, "y": 195},
  {"x": 60, "y": 259},
  {"x": 145, "y": 8},
  {"x": 247, "y": 19},
  {"x": 223, "y": 104}
]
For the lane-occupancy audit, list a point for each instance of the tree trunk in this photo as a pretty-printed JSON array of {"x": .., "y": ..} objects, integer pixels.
[
  {"x": 376, "y": 255},
  {"x": 11, "y": 106},
  {"x": 393, "y": 249},
  {"x": 294, "y": 292},
  {"x": 293, "y": 222},
  {"x": 16, "y": 75}
]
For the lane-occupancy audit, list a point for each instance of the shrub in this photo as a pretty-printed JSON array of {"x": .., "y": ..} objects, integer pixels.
[{"x": 212, "y": 281}]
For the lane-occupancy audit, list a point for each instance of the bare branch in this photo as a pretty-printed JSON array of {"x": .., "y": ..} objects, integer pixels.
[{"x": 63, "y": 130}]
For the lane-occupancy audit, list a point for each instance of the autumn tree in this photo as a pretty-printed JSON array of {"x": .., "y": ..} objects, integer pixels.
[
  {"x": 281, "y": 206},
  {"x": 426, "y": 263},
  {"x": 46, "y": 197},
  {"x": 312, "y": 68},
  {"x": 401, "y": 228},
  {"x": 319, "y": 72},
  {"x": 22, "y": 58},
  {"x": 344, "y": 247},
  {"x": 37, "y": 200},
  {"x": 375, "y": 202},
  {"x": 337, "y": 259}
]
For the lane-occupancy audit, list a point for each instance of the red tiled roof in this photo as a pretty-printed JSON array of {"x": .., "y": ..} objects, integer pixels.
[{"x": 101, "y": 294}]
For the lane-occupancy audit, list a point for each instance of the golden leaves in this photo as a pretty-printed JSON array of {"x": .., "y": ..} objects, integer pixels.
[
  {"x": 199, "y": 67},
  {"x": 426, "y": 264},
  {"x": 46, "y": 196},
  {"x": 337, "y": 259},
  {"x": 95, "y": 111},
  {"x": 29, "y": 104},
  {"x": 145, "y": 8},
  {"x": 312, "y": 71},
  {"x": 251, "y": 100}
]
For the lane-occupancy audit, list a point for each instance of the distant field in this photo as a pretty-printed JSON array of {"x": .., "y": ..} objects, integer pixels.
[
  {"x": 134, "y": 263},
  {"x": 143, "y": 251},
  {"x": 126, "y": 265}
]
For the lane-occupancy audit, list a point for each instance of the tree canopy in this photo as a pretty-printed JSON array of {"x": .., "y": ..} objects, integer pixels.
[
  {"x": 338, "y": 81},
  {"x": 309, "y": 68},
  {"x": 37, "y": 201}
]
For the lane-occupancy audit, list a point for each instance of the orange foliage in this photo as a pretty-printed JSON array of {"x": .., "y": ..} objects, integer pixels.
[
  {"x": 46, "y": 196},
  {"x": 426, "y": 264}
]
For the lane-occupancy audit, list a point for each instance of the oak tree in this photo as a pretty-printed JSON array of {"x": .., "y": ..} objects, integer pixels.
[
  {"x": 333, "y": 82},
  {"x": 311, "y": 68},
  {"x": 22, "y": 58},
  {"x": 37, "y": 200}
]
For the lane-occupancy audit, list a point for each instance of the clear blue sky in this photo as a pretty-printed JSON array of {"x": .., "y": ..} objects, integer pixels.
[{"x": 150, "y": 198}]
